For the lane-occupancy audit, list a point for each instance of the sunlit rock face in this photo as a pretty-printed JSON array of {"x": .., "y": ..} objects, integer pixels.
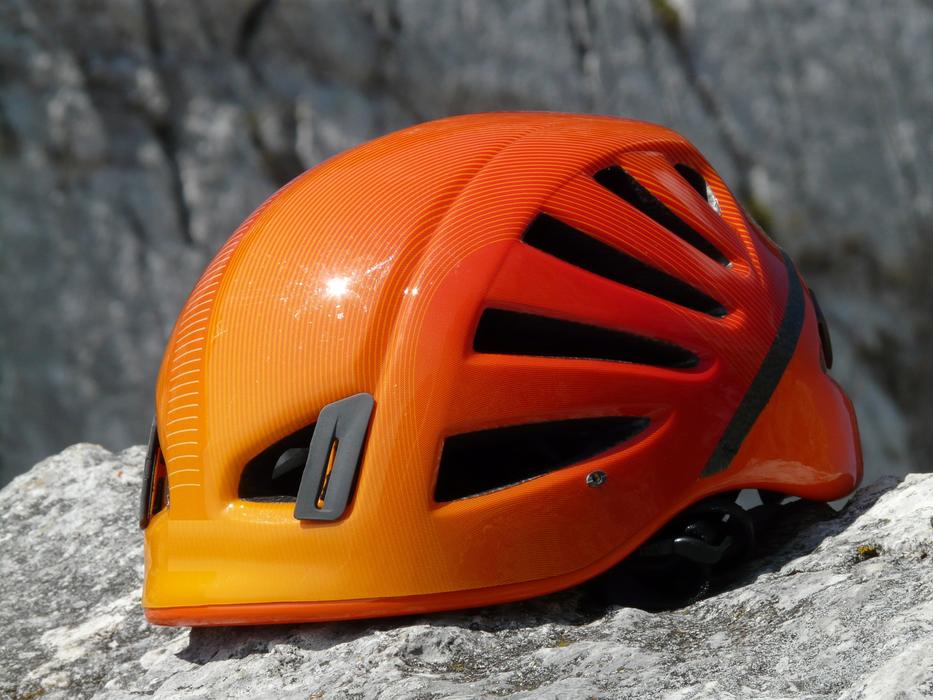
[
  {"x": 134, "y": 137},
  {"x": 831, "y": 607}
]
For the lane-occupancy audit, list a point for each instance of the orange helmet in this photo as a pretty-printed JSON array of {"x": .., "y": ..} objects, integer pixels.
[{"x": 474, "y": 361}]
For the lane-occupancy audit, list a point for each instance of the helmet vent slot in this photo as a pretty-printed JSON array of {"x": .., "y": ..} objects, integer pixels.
[
  {"x": 155, "y": 495},
  {"x": 697, "y": 182},
  {"x": 623, "y": 185},
  {"x": 826, "y": 342},
  {"x": 573, "y": 246},
  {"x": 261, "y": 481},
  {"x": 488, "y": 460},
  {"x": 513, "y": 333}
]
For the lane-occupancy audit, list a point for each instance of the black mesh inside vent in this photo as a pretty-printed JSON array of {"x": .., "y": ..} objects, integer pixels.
[
  {"x": 475, "y": 463},
  {"x": 514, "y": 333},
  {"x": 577, "y": 248},
  {"x": 620, "y": 183},
  {"x": 257, "y": 482}
]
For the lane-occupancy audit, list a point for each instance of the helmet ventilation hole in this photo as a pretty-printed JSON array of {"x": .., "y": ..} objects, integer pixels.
[
  {"x": 623, "y": 185},
  {"x": 573, "y": 246},
  {"x": 514, "y": 333},
  {"x": 155, "y": 491},
  {"x": 488, "y": 460},
  {"x": 275, "y": 473},
  {"x": 697, "y": 182}
]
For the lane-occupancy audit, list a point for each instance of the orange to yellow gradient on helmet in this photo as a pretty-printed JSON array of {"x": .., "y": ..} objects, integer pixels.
[{"x": 527, "y": 300}]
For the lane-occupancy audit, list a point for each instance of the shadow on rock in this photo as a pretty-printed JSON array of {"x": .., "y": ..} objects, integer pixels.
[
  {"x": 800, "y": 528},
  {"x": 797, "y": 530},
  {"x": 208, "y": 644}
]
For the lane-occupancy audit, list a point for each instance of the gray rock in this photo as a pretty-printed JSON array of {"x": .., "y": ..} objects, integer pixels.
[
  {"x": 136, "y": 134},
  {"x": 844, "y": 608}
]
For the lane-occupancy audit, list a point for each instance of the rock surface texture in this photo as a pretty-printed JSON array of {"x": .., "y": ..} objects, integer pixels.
[
  {"x": 842, "y": 609},
  {"x": 136, "y": 134}
]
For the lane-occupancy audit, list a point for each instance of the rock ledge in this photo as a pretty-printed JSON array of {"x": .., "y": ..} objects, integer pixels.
[{"x": 843, "y": 609}]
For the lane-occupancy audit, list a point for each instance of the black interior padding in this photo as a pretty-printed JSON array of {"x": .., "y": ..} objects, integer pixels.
[
  {"x": 514, "y": 333},
  {"x": 571, "y": 245},
  {"x": 620, "y": 183},
  {"x": 487, "y": 460},
  {"x": 256, "y": 481}
]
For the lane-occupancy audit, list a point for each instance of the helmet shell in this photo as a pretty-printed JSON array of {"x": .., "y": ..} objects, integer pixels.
[{"x": 371, "y": 274}]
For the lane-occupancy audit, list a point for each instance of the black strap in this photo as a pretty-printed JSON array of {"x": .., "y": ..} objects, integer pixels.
[
  {"x": 768, "y": 377},
  {"x": 691, "y": 556}
]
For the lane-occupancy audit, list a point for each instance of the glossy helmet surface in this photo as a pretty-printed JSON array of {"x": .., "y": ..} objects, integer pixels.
[{"x": 474, "y": 361}]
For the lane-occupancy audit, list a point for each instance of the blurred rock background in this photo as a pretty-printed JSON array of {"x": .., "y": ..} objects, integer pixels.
[{"x": 136, "y": 134}]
